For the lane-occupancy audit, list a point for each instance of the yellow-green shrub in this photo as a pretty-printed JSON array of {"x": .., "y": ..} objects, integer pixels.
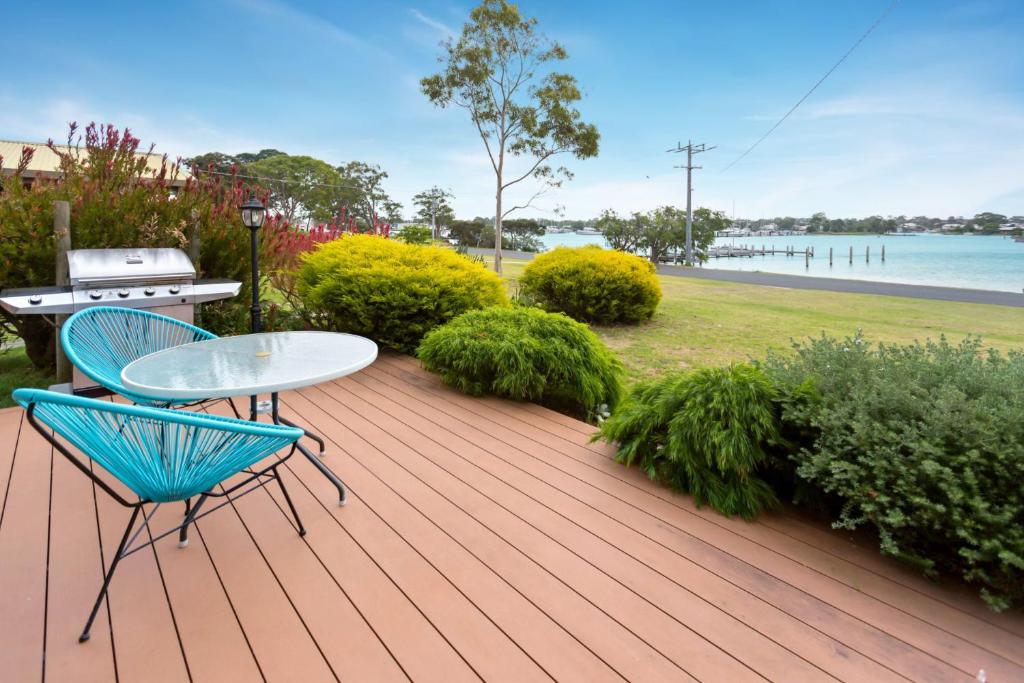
[
  {"x": 390, "y": 291},
  {"x": 592, "y": 284}
]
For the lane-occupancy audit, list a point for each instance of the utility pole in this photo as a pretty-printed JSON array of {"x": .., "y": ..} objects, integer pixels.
[{"x": 690, "y": 150}]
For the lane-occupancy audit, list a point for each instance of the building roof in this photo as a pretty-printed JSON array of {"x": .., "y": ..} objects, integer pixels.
[{"x": 46, "y": 164}]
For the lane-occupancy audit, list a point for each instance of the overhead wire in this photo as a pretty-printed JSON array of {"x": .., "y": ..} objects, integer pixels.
[{"x": 879, "y": 20}]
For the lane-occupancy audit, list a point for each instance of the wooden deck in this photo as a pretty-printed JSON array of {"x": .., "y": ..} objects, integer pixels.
[{"x": 483, "y": 539}]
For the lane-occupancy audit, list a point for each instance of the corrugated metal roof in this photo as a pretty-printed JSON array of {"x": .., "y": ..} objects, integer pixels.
[{"x": 46, "y": 163}]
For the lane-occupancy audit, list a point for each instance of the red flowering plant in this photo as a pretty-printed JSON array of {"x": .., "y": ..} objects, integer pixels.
[{"x": 121, "y": 197}]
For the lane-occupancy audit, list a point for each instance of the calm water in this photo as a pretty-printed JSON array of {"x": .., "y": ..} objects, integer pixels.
[{"x": 976, "y": 262}]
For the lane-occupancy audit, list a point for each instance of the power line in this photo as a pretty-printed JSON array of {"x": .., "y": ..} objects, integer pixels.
[
  {"x": 279, "y": 180},
  {"x": 892, "y": 5}
]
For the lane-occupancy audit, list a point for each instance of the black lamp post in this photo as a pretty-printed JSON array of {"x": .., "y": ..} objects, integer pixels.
[{"x": 253, "y": 213}]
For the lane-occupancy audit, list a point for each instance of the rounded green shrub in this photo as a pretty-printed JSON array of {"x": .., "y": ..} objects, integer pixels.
[
  {"x": 923, "y": 443},
  {"x": 706, "y": 432},
  {"x": 593, "y": 285},
  {"x": 390, "y": 291},
  {"x": 526, "y": 354}
]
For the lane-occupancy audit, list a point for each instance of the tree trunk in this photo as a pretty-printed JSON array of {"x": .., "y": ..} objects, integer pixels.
[{"x": 497, "y": 228}]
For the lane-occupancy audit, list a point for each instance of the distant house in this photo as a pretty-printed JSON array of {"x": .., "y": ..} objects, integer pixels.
[
  {"x": 1011, "y": 227},
  {"x": 952, "y": 227},
  {"x": 46, "y": 165},
  {"x": 908, "y": 227}
]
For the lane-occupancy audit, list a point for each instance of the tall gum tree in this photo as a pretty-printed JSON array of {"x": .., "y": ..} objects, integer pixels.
[{"x": 499, "y": 70}]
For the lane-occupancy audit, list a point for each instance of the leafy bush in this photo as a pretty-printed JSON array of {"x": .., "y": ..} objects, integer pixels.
[
  {"x": 389, "y": 291},
  {"x": 117, "y": 201},
  {"x": 525, "y": 354},
  {"x": 592, "y": 284},
  {"x": 705, "y": 432},
  {"x": 925, "y": 443},
  {"x": 416, "y": 234}
]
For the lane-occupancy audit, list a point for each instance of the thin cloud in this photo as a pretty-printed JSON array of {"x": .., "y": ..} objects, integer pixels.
[
  {"x": 280, "y": 11},
  {"x": 439, "y": 26}
]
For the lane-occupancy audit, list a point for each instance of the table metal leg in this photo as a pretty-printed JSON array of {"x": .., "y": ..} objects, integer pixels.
[{"x": 326, "y": 471}]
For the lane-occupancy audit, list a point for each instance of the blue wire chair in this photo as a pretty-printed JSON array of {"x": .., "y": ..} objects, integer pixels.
[
  {"x": 162, "y": 456},
  {"x": 102, "y": 340}
]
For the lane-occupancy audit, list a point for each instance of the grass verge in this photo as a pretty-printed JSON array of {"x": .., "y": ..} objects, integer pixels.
[{"x": 705, "y": 322}]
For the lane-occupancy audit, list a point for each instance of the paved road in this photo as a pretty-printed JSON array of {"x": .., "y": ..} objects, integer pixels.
[{"x": 972, "y": 296}]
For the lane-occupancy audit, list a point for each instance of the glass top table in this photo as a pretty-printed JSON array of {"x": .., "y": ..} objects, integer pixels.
[{"x": 249, "y": 365}]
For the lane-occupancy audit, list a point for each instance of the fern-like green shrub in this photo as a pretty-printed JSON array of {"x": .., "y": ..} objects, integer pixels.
[
  {"x": 924, "y": 443},
  {"x": 706, "y": 432},
  {"x": 526, "y": 354},
  {"x": 390, "y": 291},
  {"x": 593, "y": 285}
]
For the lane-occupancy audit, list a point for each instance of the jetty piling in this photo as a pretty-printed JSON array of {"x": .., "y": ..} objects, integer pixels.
[
  {"x": 883, "y": 253},
  {"x": 830, "y": 257},
  {"x": 867, "y": 254},
  {"x": 851, "y": 254}
]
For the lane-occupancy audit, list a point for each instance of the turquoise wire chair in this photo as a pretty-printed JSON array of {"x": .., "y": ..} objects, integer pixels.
[
  {"x": 102, "y": 340},
  {"x": 162, "y": 456}
]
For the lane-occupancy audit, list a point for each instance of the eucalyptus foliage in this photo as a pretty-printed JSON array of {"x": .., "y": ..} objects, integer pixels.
[
  {"x": 499, "y": 70},
  {"x": 525, "y": 354},
  {"x": 706, "y": 432}
]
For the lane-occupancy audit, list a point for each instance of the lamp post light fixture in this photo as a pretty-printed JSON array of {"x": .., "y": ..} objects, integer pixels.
[{"x": 253, "y": 214}]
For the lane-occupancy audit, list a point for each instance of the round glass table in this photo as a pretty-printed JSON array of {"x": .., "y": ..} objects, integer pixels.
[{"x": 249, "y": 365}]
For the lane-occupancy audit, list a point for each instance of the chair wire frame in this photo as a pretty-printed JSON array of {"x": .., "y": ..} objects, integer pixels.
[
  {"x": 101, "y": 340},
  {"x": 162, "y": 456}
]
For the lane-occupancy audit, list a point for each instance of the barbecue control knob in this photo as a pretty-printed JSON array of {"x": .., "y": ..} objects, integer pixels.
[
  {"x": 35, "y": 299},
  {"x": 174, "y": 289},
  {"x": 123, "y": 293},
  {"x": 149, "y": 291},
  {"x": 96, "y": 294}
]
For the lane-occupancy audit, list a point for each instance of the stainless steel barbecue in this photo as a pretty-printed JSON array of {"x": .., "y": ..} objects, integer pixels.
[{"x": 160, "y": 280}]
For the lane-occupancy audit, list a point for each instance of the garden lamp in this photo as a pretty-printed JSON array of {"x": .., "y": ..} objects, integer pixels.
[{"x": 253, "y": 213}]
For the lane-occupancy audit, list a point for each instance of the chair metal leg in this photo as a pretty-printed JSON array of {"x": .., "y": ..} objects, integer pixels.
[
  {"x": 309, "y": 435},
  {"x": 190, "y": 515},
  {"x": 110, "y": 573},
  {"x": 291, "y": 506},
  {"x": 231, "y": 403}
]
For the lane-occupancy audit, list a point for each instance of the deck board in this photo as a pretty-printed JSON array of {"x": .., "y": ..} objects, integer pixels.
[
  {"x": 756, "y": 544},
  {"x": 483, "y": 539}
]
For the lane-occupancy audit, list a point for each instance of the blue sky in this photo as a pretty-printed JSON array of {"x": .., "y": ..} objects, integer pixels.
[{"x": 927, "y": 116}]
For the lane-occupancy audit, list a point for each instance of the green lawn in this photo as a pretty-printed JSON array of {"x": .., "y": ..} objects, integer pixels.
[
  {"x": 703, "y": 322},
  {"x": 16, "y": 371}
]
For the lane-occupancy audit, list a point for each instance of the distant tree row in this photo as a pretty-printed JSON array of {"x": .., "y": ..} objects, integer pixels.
[
  {"x": 662, "y": 231},
  {"x": 305, "y": 188},
  {"x": 518, "y": 234},
  {"x": 985, "y": 223}
]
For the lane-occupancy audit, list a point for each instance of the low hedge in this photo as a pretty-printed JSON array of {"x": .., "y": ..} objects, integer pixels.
[
  {"x": 923, "y": 443},
  {"x": 706, "y": 432},
  {"x": 593, "y": 285},
  {"x": 390, "y": 291},
  {"x": 526, "y": 354}
]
